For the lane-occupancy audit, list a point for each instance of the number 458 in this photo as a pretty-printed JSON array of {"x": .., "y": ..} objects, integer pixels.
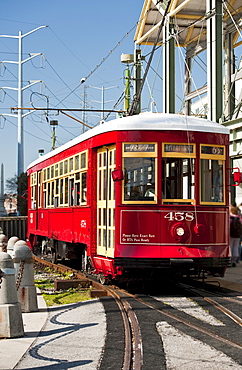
[{"x": 179, "y": 216}]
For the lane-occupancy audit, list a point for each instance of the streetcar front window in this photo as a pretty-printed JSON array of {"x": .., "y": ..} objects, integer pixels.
[
  {"x": 178, "y": 180},
  {"x": 178, "y": 173},
  {"x": 211, "y": 180},
  {"x": 140, "y": 172},
  {"x": 139, "y": 179}
]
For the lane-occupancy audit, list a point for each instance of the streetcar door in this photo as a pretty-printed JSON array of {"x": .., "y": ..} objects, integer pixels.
[
  {"x": 106, "y": 163},
  {"x": 39, "y": 197}
]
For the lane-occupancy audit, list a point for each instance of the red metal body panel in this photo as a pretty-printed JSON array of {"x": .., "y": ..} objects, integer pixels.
[{"x": 148, "y": 234}]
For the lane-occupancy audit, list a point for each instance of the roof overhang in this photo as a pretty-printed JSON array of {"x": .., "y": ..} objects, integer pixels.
[{"x": 189, "y": 20}]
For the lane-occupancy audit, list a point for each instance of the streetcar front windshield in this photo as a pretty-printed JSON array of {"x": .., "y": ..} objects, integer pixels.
[
  {"x": 212, "y": 175},
  {"x": 211, "y": 181},
  {"x": 178, "y": 180},
  {"x": 139, "y": 184}
]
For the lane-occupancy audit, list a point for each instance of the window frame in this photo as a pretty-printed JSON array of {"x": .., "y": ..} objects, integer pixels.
[
  {"x": 184, "y": 155},
  {"x": 62, "y": 173},
  {"x": 141, "y": 154},
  {"x": 218, "y": 157}
]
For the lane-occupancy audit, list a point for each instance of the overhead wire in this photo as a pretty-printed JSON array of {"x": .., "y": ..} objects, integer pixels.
[
  {"x": 111, "y": 51},
  {"x": 67, "y": 47},
  {"x": 231, "y": 17},
  {"x": 29, "y": 133},
  {"x": 99, "y": 64}
]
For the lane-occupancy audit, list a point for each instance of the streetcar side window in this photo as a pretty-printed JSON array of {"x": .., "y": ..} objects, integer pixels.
[
  {"x": 178, "y": 173},
  {"x": 140, "y": 172},
  {"x": 33, "y": 184},
  {"x": 64, "y": 183},
  {"x": 212, "y": 162}
]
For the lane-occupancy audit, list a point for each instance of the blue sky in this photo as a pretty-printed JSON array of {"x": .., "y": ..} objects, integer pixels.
[
  {"x": 79, "y": 35},
  {"x": 83, "y": 38}
]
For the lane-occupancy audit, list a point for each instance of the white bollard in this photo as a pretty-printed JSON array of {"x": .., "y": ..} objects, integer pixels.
[
  {"x": 3, "y": 243},
  {"x": 11, "y": 243},
  {"x": 26, "y": 290},
  {"x": 11, "y": 322}
]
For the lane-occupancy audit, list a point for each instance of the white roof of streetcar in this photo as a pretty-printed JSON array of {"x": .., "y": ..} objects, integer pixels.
[{"x": 142, "y": 122}]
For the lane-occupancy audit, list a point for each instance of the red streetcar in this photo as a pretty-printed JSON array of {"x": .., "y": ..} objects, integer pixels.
[{"x": 135, "y": 196}]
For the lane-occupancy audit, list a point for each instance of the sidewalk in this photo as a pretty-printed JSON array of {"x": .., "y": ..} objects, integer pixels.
[
  {"x": 232, "y": 279},
  {"x": 62, "y": 337},
  {"x": 11, "y": 350}
]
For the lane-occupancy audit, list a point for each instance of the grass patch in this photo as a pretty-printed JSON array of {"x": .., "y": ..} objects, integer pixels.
[
  {"x": 66, "y": 297},
  {"x": 45, "y": 282}
]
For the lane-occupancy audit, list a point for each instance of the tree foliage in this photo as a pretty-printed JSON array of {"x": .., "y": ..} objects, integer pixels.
[
  {"x": 12, "y": 185},
  {"x": 19, "y": 185}
]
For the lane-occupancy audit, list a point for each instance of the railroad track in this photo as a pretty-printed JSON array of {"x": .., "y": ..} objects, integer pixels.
[
  {"x": 133, "y": 343},
  {"x": 138, "y": 343},
  {"x": 202, "y": 293}
]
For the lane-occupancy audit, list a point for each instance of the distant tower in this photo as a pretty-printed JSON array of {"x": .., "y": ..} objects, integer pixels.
[{"x": 2, "y": 209}]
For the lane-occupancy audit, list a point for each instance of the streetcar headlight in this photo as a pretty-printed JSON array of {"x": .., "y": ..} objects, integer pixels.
[{"x": 180, "y": 231}]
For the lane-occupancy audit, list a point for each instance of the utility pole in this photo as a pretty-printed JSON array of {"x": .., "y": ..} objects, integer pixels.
[
  {"x": 103, "y": 100},
  {"x": 20, "y": 62},
  {"x": 136, "y": 60},
  {"x": 2, "y": 208},
  {"x": 127, "y": 59},
  {"x": 84, "y": 104}
]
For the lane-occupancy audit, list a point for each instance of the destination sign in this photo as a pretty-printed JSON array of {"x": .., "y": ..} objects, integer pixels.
[
  {"x": 178, "y": 148},
  {"x": 213, "y": 150},
  {"x": 134, "y": 148}
]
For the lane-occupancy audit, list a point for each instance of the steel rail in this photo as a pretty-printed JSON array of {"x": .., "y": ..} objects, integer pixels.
[
  {"x": 135, "y": 334},
  {"x": 227, "y": 312},
  {"x": 127, "y": 329},
  {"x": 220, "y": 307}
]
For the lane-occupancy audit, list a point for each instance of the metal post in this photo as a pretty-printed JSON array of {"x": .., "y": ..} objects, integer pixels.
[
  {"x": 20, "y": 165},
  {"x": 214, "y": 59},
  {"x": 168, "y": 69},
  {"x": 127, "y": 89},
  {"x": 137, "y": 77},
  {"x": 230, "y": 70},
  {"x": 102, "y": 100},
  {"x": 187, "y": 85}
]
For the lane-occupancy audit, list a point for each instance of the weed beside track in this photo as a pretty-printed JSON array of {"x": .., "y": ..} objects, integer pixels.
[{"x": 44, "y": 281}]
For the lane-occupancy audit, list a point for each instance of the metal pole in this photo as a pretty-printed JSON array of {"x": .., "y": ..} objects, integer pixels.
[
  {"x": 137, "y": 76},
  {"x": 127, "y": 89},
  {"x": 215, "y": 60},
  {"x": 20, "y": 160},
  {"x": 103, "y": 102},
  {"x": 168, "y": 68}
]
